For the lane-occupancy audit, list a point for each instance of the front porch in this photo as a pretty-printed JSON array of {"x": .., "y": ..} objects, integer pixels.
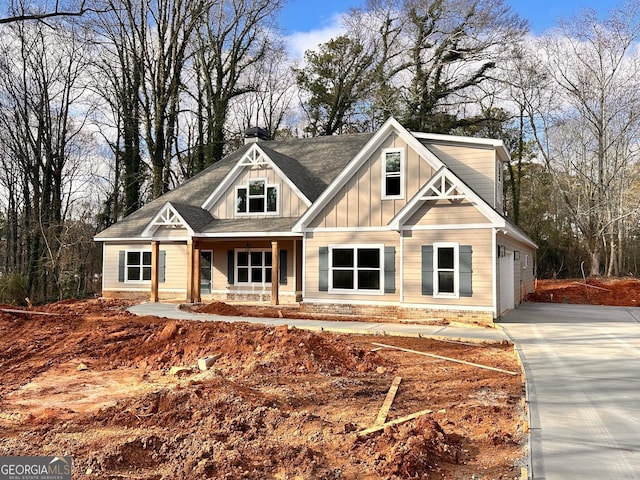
[{"x": 232, "y": 269}]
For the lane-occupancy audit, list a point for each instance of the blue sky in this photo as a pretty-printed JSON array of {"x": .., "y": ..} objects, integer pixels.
[{"x": 309, "y": 22}]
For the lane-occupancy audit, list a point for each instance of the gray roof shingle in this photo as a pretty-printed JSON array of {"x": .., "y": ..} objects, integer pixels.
[{"x": 310, "y": 163}]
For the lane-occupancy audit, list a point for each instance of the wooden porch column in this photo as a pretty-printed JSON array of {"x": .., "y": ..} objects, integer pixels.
[
  {"x": 275, "y": 274},
  {"x": 196, "y": 273},
  {"x": 190, "y": 292},
  {"x": 155, "y": 258}
]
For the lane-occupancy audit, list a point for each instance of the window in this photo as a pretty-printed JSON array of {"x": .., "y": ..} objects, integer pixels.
[
  {"x": 253, "y": 267},
  {"x": 393, "y": 173},
  {"x": 356, "y": 268},
  {"x": 445, "y": 274},
  {"x": 138, "y": 266},
  {"x": 257, "y": 197}
]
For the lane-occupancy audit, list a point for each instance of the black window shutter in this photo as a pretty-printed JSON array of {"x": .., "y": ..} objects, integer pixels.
[
  {"x": 121, "y": 255},
  {"x": 230, "y": 266},
  {"x": 323, "y": 274},
  {"x": 427, "y": 270},
  {"x": 389, "y": 269},
  {"x": 162, "y": 266},
  {"x": 283, "y": 267},
  {"x": 465, "y": 270}
]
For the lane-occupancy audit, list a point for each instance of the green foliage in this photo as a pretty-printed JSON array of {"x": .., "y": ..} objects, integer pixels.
[
  {"x": 336, "y": 77},
  {"x": 13, "y": 289}
]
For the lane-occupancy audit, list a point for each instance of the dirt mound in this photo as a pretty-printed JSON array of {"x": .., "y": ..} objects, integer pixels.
[
  {"x": 624, "y": 292},
  {"x": 277, "y": 403},
  {"x": 417, "y": 446}
]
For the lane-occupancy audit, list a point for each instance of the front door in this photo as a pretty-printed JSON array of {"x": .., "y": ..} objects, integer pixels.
[{"x": 206, "y": 262}]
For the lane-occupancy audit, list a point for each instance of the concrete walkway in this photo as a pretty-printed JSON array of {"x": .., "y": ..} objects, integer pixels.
[
  {"x": 474, "y": 334},
  {"x": 583, "y": 379}
]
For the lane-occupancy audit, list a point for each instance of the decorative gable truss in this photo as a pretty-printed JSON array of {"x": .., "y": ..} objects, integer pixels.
[
  {"x": 444, "y": 185},
  {"x": 168, "y": 216},
  {"x": 254, "y": 157}
]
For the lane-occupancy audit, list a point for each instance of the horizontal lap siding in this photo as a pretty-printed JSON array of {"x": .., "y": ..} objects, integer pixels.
[
  {"x": 323, "y": 239},
  {"x": 220, "y": 252},
  {"x": 524, "y": 277},
  {"x": 175, "y": 270},
  {"x": 444, "y": 212},
  {"x": 475, "y": 166},
  {"x": 482, "y": 266}
]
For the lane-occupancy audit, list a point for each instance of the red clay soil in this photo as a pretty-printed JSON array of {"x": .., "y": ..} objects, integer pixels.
[
  {"x": 93, "y": 381},
  {"x": 624, "y": 292}
]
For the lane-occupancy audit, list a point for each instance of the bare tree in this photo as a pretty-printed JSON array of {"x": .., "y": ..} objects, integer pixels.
[
  {"x": 232, "y": 38},
  {"x": 41, "y": 72},
  {"x": 586, "y": 134}
]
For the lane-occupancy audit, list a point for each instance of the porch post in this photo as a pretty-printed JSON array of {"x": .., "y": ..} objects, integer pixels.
[
  {"x": 155, "y": 254},
  {"x": 196, "y": 273},
  {"x": 190, "y": 270},
  {"x": 275, "y": 274}
]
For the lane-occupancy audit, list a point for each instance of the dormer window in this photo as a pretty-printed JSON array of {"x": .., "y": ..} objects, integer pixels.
[
  {"x": 393, "y": 173},
  {"x": 257, "y": 197}
]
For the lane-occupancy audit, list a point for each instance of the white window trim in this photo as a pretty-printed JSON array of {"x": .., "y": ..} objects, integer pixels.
[
  {"x": 266, "y": 187},
  {"x": 238, "y": 283},
  {"x": 383, "y": 187},
  {"x": 345, "y": 291},
  {"x": 526, "y": 262},
  {"x": 456, "y": 270},
  {"x": 142, "y": 251}
]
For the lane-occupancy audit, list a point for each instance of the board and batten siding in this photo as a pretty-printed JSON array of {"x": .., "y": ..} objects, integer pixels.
[
  {"x": 359, "y": 202},
  {"x": 315, "y": 240},
  {"x": 481, "y": 244},
  {"x": 175, "y": 268},
  {"x": 474, "y": 165},
  {"x": 289, "y": 203}
]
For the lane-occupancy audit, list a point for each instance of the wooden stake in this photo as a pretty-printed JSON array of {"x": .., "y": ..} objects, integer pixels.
[
  {"x": 391, "y": 394},
  {"x": 446, "y": 358},
  {"x": 28, "y": 312},
  {"x": 377, "y": 428}
]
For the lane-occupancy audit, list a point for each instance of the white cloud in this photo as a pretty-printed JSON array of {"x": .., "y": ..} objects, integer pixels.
[{"x": 300, "y": 42}]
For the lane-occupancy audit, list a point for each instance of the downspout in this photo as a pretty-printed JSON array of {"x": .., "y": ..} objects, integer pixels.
[
  {"x": 401, "y": 267},
  {"x": 494, "y": 242}
]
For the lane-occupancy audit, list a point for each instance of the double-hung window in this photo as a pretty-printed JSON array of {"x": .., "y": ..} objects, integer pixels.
[
  {"x": 446, "y": 269},
  {"x": 356, "y": 268},
  {"x": 393, "y": 173},
  {"x": 138, "y": 266},
  {"x": 257, "y": 197},
  {"x": 253, "y": 267}
]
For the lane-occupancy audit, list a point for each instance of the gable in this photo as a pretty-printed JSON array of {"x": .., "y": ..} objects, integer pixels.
[
  {"x": 288, "y": 191},
  {"x": 361, "y": 201},
  {"x": 362, "y": 176},
  {"x": 475, "y": 165}
]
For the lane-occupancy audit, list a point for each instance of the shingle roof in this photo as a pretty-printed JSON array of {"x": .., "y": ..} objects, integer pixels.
[
  {"x": 240, "y": 225},
  {"x": 196, "y": 217},
  {"x": 310, "y": 163}
]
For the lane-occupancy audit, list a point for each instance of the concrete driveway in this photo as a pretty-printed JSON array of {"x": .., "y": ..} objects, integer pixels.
[{"x": 583, "y": 374}]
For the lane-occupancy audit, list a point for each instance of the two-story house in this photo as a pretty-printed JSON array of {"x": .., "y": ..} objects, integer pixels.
[{"x": 394, "y": 223}]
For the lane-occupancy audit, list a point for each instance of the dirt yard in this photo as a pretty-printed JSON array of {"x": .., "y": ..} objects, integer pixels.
[
  {"x": 94, "y": 382},
  {"x": 624, "y": 292}
]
